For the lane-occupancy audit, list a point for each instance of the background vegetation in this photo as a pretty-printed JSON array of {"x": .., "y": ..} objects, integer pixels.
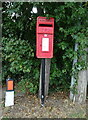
[{"x": 19, "y": 42}]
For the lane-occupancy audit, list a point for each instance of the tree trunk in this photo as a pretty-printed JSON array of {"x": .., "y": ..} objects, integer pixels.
[
  {"x": 73, "y": 80},
  {"x": 0, "y": 63},
  {"x": 47, "y": 74},
  {"x": 80, "y": 97}
]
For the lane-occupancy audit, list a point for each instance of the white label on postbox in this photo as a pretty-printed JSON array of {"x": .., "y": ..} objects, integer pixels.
[{"x": 45, "y": 44}]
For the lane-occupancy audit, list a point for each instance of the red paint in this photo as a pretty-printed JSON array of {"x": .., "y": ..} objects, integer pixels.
[{"x": 44, "y": 29}]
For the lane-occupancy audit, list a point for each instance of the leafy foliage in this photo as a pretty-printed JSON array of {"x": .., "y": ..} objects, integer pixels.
[{"x": 19, "y": 60}]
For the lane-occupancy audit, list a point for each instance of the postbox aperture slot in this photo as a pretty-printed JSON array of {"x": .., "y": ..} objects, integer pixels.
[{"x": 45, "y": 25}]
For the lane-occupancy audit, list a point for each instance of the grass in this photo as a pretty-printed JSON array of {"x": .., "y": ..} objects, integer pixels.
[{"x": 80, "y": 114}]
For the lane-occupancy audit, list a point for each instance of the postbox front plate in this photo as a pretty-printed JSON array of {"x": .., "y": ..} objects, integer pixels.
[{"x": 44, "y": 46}]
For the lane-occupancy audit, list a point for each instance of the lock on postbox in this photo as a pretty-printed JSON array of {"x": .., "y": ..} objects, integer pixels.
[{"x": 44, "y": 37}]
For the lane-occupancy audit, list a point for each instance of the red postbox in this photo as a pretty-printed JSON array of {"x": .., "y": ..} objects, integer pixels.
[{"x": 44, "y": 37}]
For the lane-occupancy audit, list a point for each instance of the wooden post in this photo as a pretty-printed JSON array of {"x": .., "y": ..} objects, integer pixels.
[{"x": 47, "y": 74}]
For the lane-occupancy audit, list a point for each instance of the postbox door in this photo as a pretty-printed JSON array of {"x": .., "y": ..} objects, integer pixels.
[{"x": 44, "y": 46}]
